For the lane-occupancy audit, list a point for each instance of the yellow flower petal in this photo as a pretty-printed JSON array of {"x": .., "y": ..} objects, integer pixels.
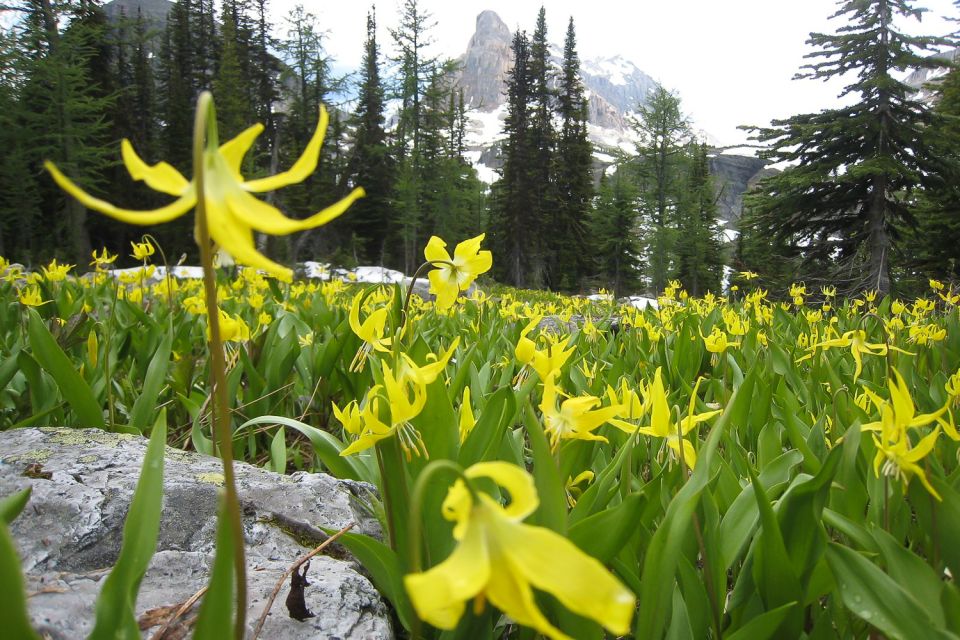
[
  {"x": 302, "y": 168},
  {"x": 155, "y": 216},
  {"x": 519, "y": 483},
  {"x": 438, "y": 595},
  {"x": 268, "y": 219},
  {"x": 235, "y": 149},
  {"x": 159, "y": 177},
  {"x": 553, "y": 564},
  {"x": 511, "y": 594}
]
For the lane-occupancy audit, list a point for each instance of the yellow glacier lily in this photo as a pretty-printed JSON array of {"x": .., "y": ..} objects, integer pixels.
[
  {"x": 502, "y": 560},
  {"x": 661, "y": 426},
  {"x": 856, "y": 340},
  {"x": 233, "y": 214},
  {"x": 574, "y": 417},
  {"x": 450, "y": 276}
]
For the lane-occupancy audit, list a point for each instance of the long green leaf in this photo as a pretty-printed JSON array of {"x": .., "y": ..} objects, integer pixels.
[
  {"x": 72, "y": 386},
  {"x": 660, "y": 562},
  {"x": 12, "y": 505},
  {"x": 115, "y": 618},
  {"x": 326, "y": 446},
  {"x": 876, "y": 598},
  {"x": 13, "y": 604},
  {"x": 144, "y": 406},
  {"x": 764, "y": 626},
  {"x": 215, "y": 619}
]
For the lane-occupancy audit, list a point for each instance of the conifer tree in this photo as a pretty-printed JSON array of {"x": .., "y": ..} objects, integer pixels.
[
  {"x": 543, "y": 143},
  {"x": 698, "y": 250},
  {"x": 372, "y": 219},
  {"x": 664, "y": 134},
  {"x": 67, "y": 115},
  {"x": 568, "y": 242},
  {"x": 511, "y": 226},
  {"x": 847, "y": 195},
  {"x": 936, "y": 238},
  {"x": 614, "y": 232}
]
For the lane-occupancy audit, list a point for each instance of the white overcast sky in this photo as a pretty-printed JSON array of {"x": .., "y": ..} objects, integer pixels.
[{"x": 731, "y": 61}]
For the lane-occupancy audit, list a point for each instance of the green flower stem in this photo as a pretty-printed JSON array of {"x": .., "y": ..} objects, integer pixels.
[
  {"x": 205, "y": 132},
  {"x": 406, "y": 301}
]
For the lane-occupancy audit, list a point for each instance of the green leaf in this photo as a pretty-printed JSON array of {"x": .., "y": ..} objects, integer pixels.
[
  {"x": 72, "y": 386},
  {"x": 483, "y": 443},
  {"x": 603, "y": 534},
  {"x": 663, "y": 553},
  {"x": 385, "y": 571},
  {"x": 215, "y": 619},
  {"x": 326, "y": 446},
  {"x": 907, "y": 568},
  {"x": 115, "y": 617},
  {"x": 773, "y": 573},
  {"x": 145, "y": 404},
  {"x": 12, "y": 505},
  {"x": 876, "y": 598},
  {"x": 764, "y": 626},
  {"x": 13, "y": 604},
  {"x": 278, "y": 452},
  {"x": 553, "y": 502}
]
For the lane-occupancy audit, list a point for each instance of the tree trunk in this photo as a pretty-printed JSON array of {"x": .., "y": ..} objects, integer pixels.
[{"x": 878, "y": 276}]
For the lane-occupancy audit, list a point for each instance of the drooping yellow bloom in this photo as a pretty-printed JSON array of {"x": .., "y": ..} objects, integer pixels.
[
  {"x": 896, "y": 457},
  {"x": 372, "y": 331},
  {"x": 718, "y": 342},
  {"x": 31, "y": 296},
  {"x": 405, "y": 400},
  {"x": 54, "y": 272},
  {"x": 662, "y": 426},
  {"x": 232, "y": 328},
  {"x": 450, "y": 276},
  {"x": 903, "y": 412},
  {"x": 573, "y": 418},
  {"x": 142, "y": 250},
  {"x": 856, "y": 340},
  {"x": 749, "y": 275},
  {"x": 501, "y": 560},
  {"x": 102, "y": 261},
  {"x": 233, "y": 214}
]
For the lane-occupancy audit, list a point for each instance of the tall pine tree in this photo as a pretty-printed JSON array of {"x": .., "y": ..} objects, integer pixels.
[
  {"x": 568, "y": 242},
  {"x": 847, "y": 194}
]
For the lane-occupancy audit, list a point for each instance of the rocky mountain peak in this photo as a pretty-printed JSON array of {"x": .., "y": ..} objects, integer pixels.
[{"x": 484, "y": 66}]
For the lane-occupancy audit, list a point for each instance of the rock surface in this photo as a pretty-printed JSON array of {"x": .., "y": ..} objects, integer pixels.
[{"x": 69, "y": 534}]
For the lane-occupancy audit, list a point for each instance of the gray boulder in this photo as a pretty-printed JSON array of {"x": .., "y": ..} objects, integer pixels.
[{"x": 69, "y": 535}]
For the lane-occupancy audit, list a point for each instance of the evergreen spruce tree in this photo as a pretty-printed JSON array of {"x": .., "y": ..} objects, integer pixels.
[
  {"x": 19, "y": 192},
  {"x": 936, "y": 239},
  {"x": 511, "y": 226},
  {"x": 698, "y": 250},
  {"x": 568, "y": 242},
  {"x": 543, "y": 148},
  {"x": 372, "y": 219},
  {"x": 66, "y": 120},
  {"x": 664, "y": 134},
  {"x": 847, "y": 195},
  {"x": 616, "y": 247}
]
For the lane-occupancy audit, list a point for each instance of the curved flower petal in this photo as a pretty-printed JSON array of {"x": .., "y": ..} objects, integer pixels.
[
  {"x": 154, "y": 216},
  {"x": 438, "y": 594},
  {"x": 435, "y": 250},
  {"x": 236, "y": 148},
  {"x": 518, "y": 483},
  {"x": 268, "y": 219},
  {"x": 302, "y": 168},
  {"x": 160, "y": 177},
  {"x": 237, "y": 240},
  {"x": 581, "y": 583},
  {"x": 511, "y": 594}
]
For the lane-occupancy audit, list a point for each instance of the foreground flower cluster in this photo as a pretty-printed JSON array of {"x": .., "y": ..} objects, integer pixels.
[{"x": 749, "y": 466}]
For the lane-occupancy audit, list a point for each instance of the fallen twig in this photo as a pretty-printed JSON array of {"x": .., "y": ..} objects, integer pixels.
[{"x": 159, "y": 635}]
